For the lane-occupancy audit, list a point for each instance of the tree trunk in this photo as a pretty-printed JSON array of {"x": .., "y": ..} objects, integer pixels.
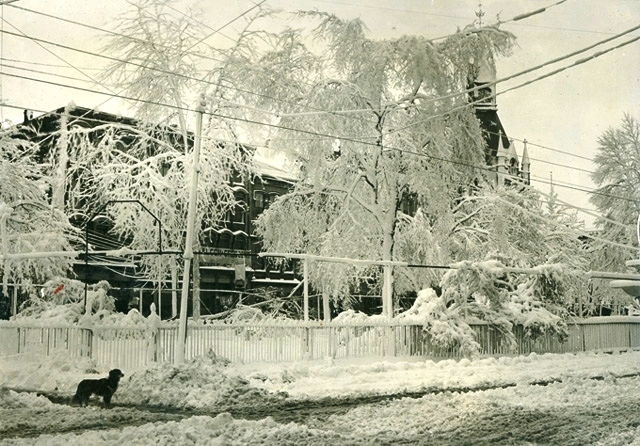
[
  {"x": 387, "y": 291},
  {"x": 389, "y": 228},
  {"x": 326, "y": 308}
]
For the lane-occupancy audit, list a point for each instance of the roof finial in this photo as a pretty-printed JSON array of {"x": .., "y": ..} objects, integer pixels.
[{"x": 479, "y": 14}]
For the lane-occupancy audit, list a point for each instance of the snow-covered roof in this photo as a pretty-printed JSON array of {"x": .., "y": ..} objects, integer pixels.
[
  {"x": 266, "y": 166},
  {"x": 269, "y": 169}
]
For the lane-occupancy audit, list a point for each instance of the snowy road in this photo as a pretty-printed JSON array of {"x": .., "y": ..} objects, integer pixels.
[
  {"x": 573, "y": 412},
  {"x": 585, "y": 399}
]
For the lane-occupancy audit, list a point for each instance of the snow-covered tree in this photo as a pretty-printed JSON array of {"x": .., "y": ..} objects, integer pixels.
[
  {"x": 617, "y": 198},
  {"x": 537, "y": 254},
  {"x": 28, "y": 221},
  {"x": 371, "y": 126},
  {"x": 159, "y": 61}
]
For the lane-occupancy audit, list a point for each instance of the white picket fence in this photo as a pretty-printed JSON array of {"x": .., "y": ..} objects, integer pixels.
[{"x": 132, "y": 348}]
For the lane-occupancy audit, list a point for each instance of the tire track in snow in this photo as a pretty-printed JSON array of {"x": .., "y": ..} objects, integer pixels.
[{"x": 282, "y": 411}]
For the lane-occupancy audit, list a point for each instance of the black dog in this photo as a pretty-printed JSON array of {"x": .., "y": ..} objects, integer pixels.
[{"x": 104, "y": 387}]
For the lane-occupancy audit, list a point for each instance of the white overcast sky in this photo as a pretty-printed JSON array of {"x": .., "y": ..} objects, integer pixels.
[{"x": 565, "y": 112}]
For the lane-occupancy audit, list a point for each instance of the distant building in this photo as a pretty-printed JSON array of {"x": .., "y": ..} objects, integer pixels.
[{"x": 501, "y": 157}]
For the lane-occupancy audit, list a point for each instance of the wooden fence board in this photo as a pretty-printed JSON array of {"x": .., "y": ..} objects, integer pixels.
[{"x": 131, "y": 348}]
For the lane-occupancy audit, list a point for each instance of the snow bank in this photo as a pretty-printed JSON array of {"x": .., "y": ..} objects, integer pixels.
[{"x": 204, "y": 382}]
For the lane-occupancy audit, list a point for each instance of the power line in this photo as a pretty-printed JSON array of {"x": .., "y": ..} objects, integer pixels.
[
  {"x": 339, "y": 112},
  {"x": 176, "y": 107},
  {"x": 587, "y": 31},
  {"x": 539, "y": 78},
  {"x": 583, "y": 210},
  {"x": 533, "y": 177},
  {"x": 28, "y": 62},
  {"x": 333, "y": 137},
  {"x": 1, "y": 61},
  {"x": 575, "y": 231},
  {"x": 46, "y": 73},
  {"x": 544, "y": 64},
  {"x": 201, "y": 23},
  {"x": 582, "y": 189},
  {"x": 215, "y": 31},
  {"x": 503, "y": 79},
  {"x": 113, "y": 59},
  {"x": 529, "y": 143},
  {"x": 421, "y": 12},
  {"x": 386, "y": 8},
  {"x": 548, "y": 148},
  {"x": 566, "y": 166},
  {"x": 526, "y": 15},
  {"x": 277, "y": 126},
  {"x": 488, "y": 169},
  {"x": 95, "y": 28},
  {"x": 55, "y": 55},
  {"x": 515, "y": 18},
  {"x": 315, "y": 133}
]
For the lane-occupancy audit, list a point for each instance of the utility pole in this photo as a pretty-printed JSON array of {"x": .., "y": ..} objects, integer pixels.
[
  {"x": 2, "y": 101},
  {"x": 188, "y": 249},
  {"x": 60, "y": 179}
]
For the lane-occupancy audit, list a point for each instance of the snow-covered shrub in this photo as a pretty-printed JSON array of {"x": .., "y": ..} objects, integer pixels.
[
  {"x": 479, "y": 291},
  {"x": 488, "y": 291},
  {"x": 537, "y": 303},
  {"x": 351, "y": 316},
  {"x": 445, "y": 326},
  {"x": 62, "y": 300}
]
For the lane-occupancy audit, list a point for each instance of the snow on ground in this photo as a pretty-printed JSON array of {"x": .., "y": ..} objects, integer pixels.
[
  {"x": 574, "y": 409},
  {"x": 334, "y": 378}
]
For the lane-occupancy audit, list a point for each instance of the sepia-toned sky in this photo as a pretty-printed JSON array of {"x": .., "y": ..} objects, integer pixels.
[{"x": 563, "y": 113}]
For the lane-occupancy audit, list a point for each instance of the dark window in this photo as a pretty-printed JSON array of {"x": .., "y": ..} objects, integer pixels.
[
  {"x": 258, "y": 199},
  {"x": 239, "y": 213}
]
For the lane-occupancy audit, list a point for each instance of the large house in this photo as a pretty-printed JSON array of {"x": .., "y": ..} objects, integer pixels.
[{"x": 228, "y": 262}]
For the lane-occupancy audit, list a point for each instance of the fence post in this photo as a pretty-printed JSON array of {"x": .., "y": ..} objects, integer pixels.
[
  {"x": 14, "y": 301},
  {"x": 156, "y": 342},
  {"x": 88, "y": 352},
  {"x": 307, "y": 343},
  {"x": 390, "y": 342}
]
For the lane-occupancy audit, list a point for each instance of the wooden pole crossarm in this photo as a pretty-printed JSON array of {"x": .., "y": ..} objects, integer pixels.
[{"x": 612, "y": 275}]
